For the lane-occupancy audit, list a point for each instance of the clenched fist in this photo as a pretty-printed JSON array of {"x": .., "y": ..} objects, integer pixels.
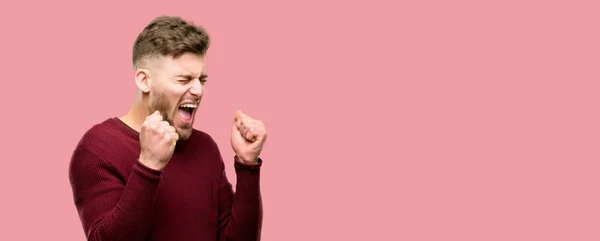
[
  {"x": 247, "y": 137},
  {"x": 157, "y": 141}
]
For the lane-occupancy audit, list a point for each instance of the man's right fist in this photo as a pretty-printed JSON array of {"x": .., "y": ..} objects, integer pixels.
[{"x": 157, "y": 141}]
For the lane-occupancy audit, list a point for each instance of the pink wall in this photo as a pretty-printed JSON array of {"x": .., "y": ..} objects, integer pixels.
[{"x": 436, "y": 120}]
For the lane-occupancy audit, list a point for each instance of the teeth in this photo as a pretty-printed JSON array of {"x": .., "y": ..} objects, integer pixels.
[{"x": 193, "y": 106}]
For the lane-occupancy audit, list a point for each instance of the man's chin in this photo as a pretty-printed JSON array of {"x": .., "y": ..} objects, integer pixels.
[{"x": 184, "y": 133}]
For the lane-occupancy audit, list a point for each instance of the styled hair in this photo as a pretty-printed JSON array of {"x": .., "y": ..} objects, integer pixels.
[{"x": 169, "y": 36}]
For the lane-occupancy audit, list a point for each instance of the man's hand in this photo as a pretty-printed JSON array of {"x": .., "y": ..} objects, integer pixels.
[
  {"x": 157, "y": 141},
  {"x": 247, "y": 137}
]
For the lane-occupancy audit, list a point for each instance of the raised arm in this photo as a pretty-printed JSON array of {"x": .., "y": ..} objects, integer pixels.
[
  {"x": 240, "y": 214},
  {"x": 109, "y": 209}
]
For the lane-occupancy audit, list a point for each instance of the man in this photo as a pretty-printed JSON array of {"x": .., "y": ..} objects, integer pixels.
[{"x": 149, "y": 175}]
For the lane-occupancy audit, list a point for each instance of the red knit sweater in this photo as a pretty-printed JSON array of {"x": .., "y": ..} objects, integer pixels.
[{"x": 118, "y": 198}]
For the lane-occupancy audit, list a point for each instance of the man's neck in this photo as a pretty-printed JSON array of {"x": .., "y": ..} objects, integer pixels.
[{"x": 136, "y": 115}]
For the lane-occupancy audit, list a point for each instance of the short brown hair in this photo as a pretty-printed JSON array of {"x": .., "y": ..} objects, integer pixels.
[{"x": 170, "y": 36}]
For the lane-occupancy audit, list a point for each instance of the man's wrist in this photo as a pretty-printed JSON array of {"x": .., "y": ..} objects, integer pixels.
[
  {"x": 149, "y": 164},
  {"x": 245, "y": 162}
]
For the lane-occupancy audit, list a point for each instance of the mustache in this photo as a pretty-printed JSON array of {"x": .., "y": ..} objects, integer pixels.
[{"x": 195, "y": 100}]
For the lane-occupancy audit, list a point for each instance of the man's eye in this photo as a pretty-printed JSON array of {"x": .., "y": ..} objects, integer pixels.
[
  {"x": 202, "y": 80},
  {"x": 183, "y": 80}
]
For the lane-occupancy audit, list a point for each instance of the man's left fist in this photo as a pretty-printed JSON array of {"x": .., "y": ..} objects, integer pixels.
[{"x": 247, "y": 137}]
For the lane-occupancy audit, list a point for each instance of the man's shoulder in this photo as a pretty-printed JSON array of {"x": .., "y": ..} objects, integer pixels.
[
  {"x": 200, "y": 136},
  {"x": 202, "y": 141},
  {"x": 100, "y": 129},
  {"x": 201, "y": 144},
  {"x": 93, "y": 143},
  {"x": 101, "y": 133}
]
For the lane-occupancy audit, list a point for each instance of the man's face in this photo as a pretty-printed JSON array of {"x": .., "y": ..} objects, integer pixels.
[{"x": 176, "y": 88}]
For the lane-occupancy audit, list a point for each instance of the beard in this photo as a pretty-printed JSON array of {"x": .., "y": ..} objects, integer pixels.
[{"x": 161, "y": 103}]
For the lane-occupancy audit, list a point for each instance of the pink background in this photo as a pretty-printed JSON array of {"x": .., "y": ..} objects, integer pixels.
[{"x": 436, "y": 120}]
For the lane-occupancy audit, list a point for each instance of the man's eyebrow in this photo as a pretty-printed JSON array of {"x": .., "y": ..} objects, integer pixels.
[{"x": 189, "y": 76}]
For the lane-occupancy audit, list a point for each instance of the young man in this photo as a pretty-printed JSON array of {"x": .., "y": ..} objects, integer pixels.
[{"x": 149, "y": 175}]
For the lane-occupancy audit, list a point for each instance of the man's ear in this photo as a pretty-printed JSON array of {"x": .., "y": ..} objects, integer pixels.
[{"x": 142, "y": 80}]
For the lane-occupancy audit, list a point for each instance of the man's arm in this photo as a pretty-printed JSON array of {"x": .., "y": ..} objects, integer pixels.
[
  {"x": 240, "y": 214},
  {"x": 109, "y": 209}
]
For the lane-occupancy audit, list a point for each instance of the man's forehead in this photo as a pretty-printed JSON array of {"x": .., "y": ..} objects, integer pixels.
[{"x": 189, "y": 65}]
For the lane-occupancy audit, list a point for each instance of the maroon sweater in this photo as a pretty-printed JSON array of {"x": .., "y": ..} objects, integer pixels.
[{"x": 118, "y": 198}]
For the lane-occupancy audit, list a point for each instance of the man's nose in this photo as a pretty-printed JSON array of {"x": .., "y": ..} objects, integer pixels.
[{"x": 197, "y": 88}]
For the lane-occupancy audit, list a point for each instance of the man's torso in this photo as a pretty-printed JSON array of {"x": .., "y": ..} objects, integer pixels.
[{"x": 187, "y": 197}]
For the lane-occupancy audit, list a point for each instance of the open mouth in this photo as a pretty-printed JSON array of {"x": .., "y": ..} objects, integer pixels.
[{"x": 186, "y": 111}]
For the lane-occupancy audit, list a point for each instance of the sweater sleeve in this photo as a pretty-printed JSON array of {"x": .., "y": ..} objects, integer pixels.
[
  {"x": 109, "y": 207},
  {"x": 240, "y": 214}
]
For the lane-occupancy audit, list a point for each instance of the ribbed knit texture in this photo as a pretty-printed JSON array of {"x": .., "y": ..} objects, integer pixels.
[{"x": 118, "y": 198}]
